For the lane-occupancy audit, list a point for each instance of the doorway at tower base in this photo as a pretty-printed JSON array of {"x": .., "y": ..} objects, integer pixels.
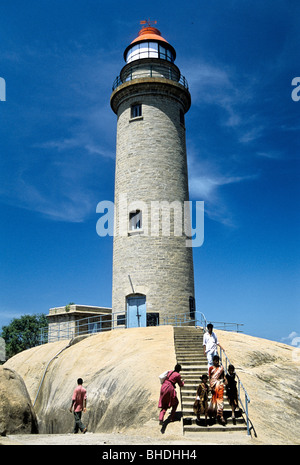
[{"x": 136, "y": 314}]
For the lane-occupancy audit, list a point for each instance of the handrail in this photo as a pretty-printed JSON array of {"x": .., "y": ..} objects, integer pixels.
[
  {"x": 223, "y": 325},
  {"x": 152, "y": 72},
  {"x": 240, "y": 385},
  {"x": 106, "y": 322}
]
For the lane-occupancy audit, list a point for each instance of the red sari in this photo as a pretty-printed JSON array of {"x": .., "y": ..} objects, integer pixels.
[
  {"x": 216, "y": 380},
  {"x": 168, "y": 397}
]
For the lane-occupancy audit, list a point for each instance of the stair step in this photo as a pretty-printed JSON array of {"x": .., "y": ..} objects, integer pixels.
[
  {"x": 187, "y": 406},
  {"x": 192, "y": 420},
  {"x": 193, "y": 368},
  {"x": 214, "y": 428},
  {"x": 187, "y": 363}
]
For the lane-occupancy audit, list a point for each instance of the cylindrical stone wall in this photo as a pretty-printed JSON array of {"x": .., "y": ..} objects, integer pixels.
[{"x": 151, "y": 168}]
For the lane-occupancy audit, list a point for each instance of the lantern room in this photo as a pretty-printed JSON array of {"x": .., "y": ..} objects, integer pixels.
[{"x": 149, "y": 44}]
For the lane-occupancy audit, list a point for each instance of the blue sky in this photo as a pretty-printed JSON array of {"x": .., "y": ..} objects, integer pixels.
[{"x": 57, "y": 146}]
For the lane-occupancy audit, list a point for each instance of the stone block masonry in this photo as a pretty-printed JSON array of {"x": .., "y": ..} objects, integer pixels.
[{"x": 151, "y": 166}]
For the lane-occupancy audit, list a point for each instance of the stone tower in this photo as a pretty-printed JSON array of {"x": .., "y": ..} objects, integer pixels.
[{"x": 153, "y": 278}]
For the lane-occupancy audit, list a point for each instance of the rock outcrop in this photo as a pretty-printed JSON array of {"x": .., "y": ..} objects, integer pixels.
[
  {"x": 16, "y": 412},
  {"x": 120, "y": 370}
]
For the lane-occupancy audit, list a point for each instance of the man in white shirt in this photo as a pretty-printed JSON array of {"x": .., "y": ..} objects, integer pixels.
[{"x": 210, "y": 343}]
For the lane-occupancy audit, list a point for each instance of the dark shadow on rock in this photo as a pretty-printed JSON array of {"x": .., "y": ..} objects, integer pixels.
[{"x": 178, "y": 416}]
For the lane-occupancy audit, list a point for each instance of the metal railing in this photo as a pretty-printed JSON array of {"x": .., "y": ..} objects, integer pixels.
[
  {"x": 152, "y": 71},
  {"x": 99, "y": 323},
  {"x": 223, "y": 325},
  {"x": 244, "y": 403},
  {"x": 107, "y": 322}
]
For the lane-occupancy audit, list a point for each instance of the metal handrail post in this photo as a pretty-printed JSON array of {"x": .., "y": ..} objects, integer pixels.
[{"x": 246, "y": 412}]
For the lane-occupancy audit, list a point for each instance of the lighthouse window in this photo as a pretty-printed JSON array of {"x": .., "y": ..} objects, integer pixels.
[
  {"x": 181, "y": 116},
  {"x": 192, "y": 306},
  {"x": 136, "y": 110},
  {"x": 153, "y": 50},
  {"x": 165, "y": 54},
  {"x": 135, "y": 220},
  {"x": 132, "y": 55},
  {"x": 143, "y": 50}
]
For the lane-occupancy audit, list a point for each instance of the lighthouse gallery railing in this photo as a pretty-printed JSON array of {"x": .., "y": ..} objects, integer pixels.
[{"x": 152, "y": 71}]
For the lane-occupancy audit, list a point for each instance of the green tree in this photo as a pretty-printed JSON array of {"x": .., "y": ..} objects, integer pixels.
[{"x": 23, "y": 333}]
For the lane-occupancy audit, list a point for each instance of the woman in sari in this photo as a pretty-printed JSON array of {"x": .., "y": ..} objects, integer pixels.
[
  {"x": 217, "y": 381},
  {"x": 168, "y": 397}
]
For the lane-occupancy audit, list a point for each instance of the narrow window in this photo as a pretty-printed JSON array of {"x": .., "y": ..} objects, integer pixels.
[
  {"x": 135, "y": 220},
  {"x": 162, "y": 53},
  {"x": 192, "y": 305},
  {"x": 136, "y": 110},
  {"x": 181, "y": 116}
]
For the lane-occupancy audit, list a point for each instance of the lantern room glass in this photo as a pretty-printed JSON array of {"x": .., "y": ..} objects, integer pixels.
[{"x": 149, "y": 49}]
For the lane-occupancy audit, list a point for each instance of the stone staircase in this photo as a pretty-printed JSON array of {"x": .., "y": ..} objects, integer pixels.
[{"x": 189, "y": 353}]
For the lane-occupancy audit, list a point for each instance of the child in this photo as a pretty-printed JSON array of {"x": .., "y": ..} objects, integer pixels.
[
  {"x": 201, "y": 402},
  {"x": 231, "y": 390}
]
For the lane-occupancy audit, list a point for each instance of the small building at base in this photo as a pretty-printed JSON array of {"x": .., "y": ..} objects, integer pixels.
[{"x": 76, "y": 320}]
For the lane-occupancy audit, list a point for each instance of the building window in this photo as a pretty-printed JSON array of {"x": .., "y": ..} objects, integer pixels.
[
  {"x": 121, "y": 319},
  {"x": 152, "y": 319},
  {"x": 135, "y": 220},
  {"x": 136, "y": 110}
]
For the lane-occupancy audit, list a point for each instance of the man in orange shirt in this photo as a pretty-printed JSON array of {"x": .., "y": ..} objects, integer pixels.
[{"x": 79, "y": 403}]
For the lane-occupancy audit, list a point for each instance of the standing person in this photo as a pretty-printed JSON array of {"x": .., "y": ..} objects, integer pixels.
[
  {"x": 210, "y": 343},
  {"x": 231, "y": 390},
  {"x": 168, "y": 397},
  {"x": 79, "y": 404},
  {"x": 216, "y": 381},
  {"x": 201, "y": 402}
]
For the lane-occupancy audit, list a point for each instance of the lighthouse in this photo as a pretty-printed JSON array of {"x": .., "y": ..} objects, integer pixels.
[{"x": 153, "y": 277}]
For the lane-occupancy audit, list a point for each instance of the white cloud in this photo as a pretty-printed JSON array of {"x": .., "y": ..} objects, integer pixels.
[
  {"x": 234, "y": 94},
  {"x": 292, "y": 339},
  {"x": 79, "y": 142},
  {"x": 213, "y": 85},
  {"x": 207, "y": 178},
  {"x": 208, "y": 188},
  {"x": 251, "y": 135}
]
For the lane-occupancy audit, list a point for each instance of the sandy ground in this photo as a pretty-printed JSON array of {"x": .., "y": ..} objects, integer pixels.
[{"x": 125, "y": 439}]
